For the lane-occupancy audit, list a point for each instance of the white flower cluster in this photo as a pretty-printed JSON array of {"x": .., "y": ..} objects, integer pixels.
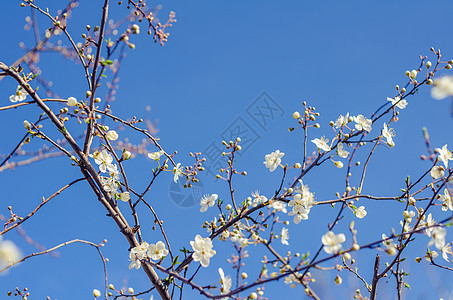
[
  {"x": 238, "y": 236},
  {"x": 302, "y": 202},
  {"x": 110, "y": 183},
  {"x": 146, "y": 251}
]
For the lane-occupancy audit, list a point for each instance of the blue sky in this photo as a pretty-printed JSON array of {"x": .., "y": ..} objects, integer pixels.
[{"x": 220, "y": 58}]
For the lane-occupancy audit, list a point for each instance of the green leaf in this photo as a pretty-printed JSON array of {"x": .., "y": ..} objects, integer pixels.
[{"x": 107, "y": 62}]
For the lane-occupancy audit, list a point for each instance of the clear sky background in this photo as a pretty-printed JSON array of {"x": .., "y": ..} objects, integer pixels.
[{"x": 339, "y": 56}]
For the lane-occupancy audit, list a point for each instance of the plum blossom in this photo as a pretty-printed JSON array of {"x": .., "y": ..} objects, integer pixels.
[
  {"x": 257, "y": 198},
  {"x": 301, "y": 204},
  {"x": 401, "y": 104},
  {"x": 438, "y": 237},
  {"x": 322, "y": 143},
  {"x": 437, "y": 172},
  {"x": 291, "y": 278},
  {"x": 104, "y": 160},
  {"x": 332, "y": 242},
  {"x": 284, "y": 236},
  {"x": 177, "y": 170},
  {"x": 389, "y": 244},
  {"x": 157, "y": 251},
  {"x": 125, "y": 196},
  {"x": 203, "y": 251},
  {"x": 360, "y": 212},
  {"x": 362, "y": 123},
  {"x": 341, "y": 152},
  {"x": 20, "y": 95},
  {"x": 156, "y": 155},
  {"x": 388, "y": 133},
  {"x": 443, "y": 87},
  {"x": 342, "y": 121},
  {"x": 445, "y": 251},
  {"x": 226, "y": 282},
  {"x": 444, "y": 155},
  {"x": 279, "y": 206},
  {"x": 447, "y": 201},
  {"x": 429, "y": 223},
  {"x": 112, "y": 135},
  {"x": 207, "y": 201},
  {"x": 273, "y": 160},
  {"x": 138, "y": 253}
]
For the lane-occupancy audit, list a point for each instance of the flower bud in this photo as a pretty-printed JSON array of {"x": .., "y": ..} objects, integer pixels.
[
  {"x": 27, "y": 125},
  {"x": 126, "y": 155},
  {"x": 244, "y": 275},
  {"x": 355, "y": 247},
  {"x": 112, "y": 135},
  {"x": 428, "y": 64},
  {"x": 88, "y": 94},
  {"x": 130, "y": 290},
  {"x": 338, "y": 280},
  {"x": 297, "y": 165},
  {"x": 429, "y": 81},
  {"x": 338, "y": 164},
  {"x": 403, "y": 90},
  {"x": 448, "y": 67},
  {"x": 96, "y": 293},
  {"x": 296, "y": 115},
  {"x": 72, "y": 101}
]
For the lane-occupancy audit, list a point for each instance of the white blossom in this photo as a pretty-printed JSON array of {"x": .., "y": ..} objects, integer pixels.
[
  {"x": 332, "y": 242},
  {"x": 442, "y": 88},
  {"x": 401, "y": 104},
  {"x": 207, "y": 201},
  {"x": 138, "y": 253},
  {"x": 156, "y": 155},
  {"x": 389, "y": 244},
  {"x": 437, "y": 172},
  {"x": 284, "y": 236},
  {"x": 20, "y": 95},
  {"x": 104, "y": 160},
  {"x": 279, "y": 206},
  {"x": 177, "y": 170},
  {"x": 257, "y": 198},
  {"x": 362, "y": 123},
  {"x": 447, "y": 201},
  {"x": 157, "y": 251},
  {"x": 444, "y": 155},
  {"x": 388, "y": 133},
  {"x": 273, "y": 160},
  {"x": 112, "y": 135},
  {"x": 341, "y": 121},
  {"x": 226, "y": 282},
  {"x": 341, "y": 152},
  {"x": 203, "y": 251},
  {"x": 360, "y": 212},
  {"x": 438, "y": 237},
  {"x": 322, "y": 143}
]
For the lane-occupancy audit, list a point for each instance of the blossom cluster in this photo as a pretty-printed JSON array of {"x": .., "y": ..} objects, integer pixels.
[{"x": 146, "y": 251}]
